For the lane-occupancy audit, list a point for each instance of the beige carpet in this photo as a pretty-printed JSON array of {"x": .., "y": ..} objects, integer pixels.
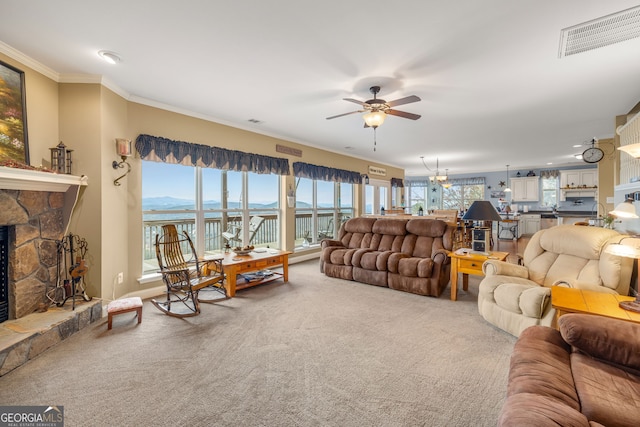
[{"x": 313, "y": 352}]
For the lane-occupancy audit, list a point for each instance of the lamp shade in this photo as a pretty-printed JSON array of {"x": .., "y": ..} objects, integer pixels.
[
  {"x": 374, "y": 118},
  {"x": 482, "y": 210},
  {"x": 631, "y": 149},
  {"x": 625, "y": 209}
]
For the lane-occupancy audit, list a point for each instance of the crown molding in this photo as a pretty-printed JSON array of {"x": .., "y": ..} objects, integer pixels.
[{"x": 28, "y": 61}]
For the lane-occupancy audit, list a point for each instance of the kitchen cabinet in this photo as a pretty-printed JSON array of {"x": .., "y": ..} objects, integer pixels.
[
  {"x": 578, "y": 183},
  {"x": 529, "y": 223},
  {"x": 525, "y": 189}
]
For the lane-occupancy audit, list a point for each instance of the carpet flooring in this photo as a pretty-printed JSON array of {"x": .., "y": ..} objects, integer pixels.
[{"x": 315, "y": 351}]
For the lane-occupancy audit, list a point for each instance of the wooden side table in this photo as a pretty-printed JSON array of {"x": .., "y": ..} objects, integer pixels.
[
  {"x": 571, "y": 300},
  {"x": 469, "y": 263}
]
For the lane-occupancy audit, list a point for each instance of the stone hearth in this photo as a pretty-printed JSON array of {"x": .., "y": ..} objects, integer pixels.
[{"x": 36, "y": 206}]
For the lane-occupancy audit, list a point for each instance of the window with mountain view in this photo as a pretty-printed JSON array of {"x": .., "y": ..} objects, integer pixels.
[
  {"x": 206, "y": 202},
  {"x": 321, "y": 207}
]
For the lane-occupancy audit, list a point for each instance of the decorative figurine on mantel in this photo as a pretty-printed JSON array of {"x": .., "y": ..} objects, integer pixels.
[{"x": 61, "y": 159}]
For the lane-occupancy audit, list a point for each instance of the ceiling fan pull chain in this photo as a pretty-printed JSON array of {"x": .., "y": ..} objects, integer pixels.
[{"x": 374, "y": 139}]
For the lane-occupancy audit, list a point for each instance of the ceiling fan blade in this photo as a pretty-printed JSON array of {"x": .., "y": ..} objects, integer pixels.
[
  {"x": 345, "y": 114},
  {"x": 355, "y": 101},
  {"x": 406, "y": 100},
  {"x": 403, "y": 114}
]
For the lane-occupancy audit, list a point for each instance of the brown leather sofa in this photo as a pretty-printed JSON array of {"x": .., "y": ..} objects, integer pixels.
[
  {"x": 409, "y": 255},
  {"x": 586, "y": 374}
]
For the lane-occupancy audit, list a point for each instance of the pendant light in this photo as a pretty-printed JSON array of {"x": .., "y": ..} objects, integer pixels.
[
  {"x": 446, "y": 183},
  {"x": 508, "y": 189}
]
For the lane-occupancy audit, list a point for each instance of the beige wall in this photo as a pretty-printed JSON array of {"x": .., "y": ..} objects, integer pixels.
[
  {"x": 607, "y": 168},
  {"x": 80, "y": 122}
]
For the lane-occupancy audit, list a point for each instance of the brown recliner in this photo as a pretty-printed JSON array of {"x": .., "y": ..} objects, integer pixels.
[{"x": 410, "y": 255}]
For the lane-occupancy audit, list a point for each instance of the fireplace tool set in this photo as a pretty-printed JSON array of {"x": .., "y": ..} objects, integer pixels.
[{"x": 70, "y": 271}]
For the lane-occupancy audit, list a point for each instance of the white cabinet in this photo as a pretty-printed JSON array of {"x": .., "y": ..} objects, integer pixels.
[
  {"x": 530, "y": 224},
  {"x": 578, "y": 183},
  {"x": 525, "y": 189}
]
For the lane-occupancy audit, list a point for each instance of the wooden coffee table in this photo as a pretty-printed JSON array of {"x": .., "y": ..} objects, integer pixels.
[
  {"x": 570, "y": 300},
  {"x": 469, "y": 263},
  {"x": 233, "y": 264}
]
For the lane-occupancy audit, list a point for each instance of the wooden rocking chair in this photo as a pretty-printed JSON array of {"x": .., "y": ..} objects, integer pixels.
[{"x": 188, "y": 282}]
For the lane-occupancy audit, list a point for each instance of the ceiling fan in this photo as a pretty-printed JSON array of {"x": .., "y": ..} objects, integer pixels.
[{"x": 376, "y": 109}]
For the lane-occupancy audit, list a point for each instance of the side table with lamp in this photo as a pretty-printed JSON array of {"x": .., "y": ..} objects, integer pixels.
[{"x": 469, "y": 261}]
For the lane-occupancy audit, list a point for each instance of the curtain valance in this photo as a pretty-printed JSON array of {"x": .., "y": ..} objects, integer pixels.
[
  {"x": 478, "y": 180},
  {"x": 475, "y": 180},
  {"x": 550, "y": 173},
  {"x": 418, "y": 183},
  {"x": 306, "y": 170},
  {"x": 160, "y": 149}
]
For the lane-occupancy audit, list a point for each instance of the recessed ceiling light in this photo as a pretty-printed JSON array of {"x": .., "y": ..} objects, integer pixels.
[
  {"x": 578, "y": 156},
  {"x": 549, "y": 163},
  {"x": 110, "y": 57},
  {"x": 577, "y": 145}
]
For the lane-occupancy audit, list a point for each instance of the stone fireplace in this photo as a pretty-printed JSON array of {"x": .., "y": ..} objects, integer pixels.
[{"x": 34, "y": 208}]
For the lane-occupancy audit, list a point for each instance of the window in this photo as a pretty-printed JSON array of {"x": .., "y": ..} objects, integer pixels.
[
  {"x": 462, "y": 193},
  {"x": 321, "y": 207},
  {"x": 205, "y": 202},
  {"x": 376, "y": 196},
  {"x": 462, "y": 196},
  {"x": 549, "y": 191}
]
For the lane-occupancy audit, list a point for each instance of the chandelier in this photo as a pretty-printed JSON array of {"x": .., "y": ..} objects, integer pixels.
[{"x": 437, "y": 178}]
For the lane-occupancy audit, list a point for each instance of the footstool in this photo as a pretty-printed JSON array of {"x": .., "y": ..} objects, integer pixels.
[{"x": 124, "y": 305}]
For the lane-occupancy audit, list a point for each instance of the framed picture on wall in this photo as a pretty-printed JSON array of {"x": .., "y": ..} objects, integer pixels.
[
  {"x": 13, "y": 116},
  {"x": 497, "y": 194}
]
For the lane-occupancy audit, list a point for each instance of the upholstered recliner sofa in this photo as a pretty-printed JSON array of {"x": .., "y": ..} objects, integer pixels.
[
  {"x": 586, "y": 374},
  {"x": 410, "y": 255},
  {"x": 514, "y": 297}
]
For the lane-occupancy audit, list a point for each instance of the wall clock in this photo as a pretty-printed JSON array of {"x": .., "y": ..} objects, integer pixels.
[{"x": 592, "y": 155}]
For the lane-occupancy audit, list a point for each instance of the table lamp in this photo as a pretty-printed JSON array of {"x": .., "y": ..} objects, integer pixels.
[
  {"x": 481, "y": 210},
  {"x": 628, "y": 251}
]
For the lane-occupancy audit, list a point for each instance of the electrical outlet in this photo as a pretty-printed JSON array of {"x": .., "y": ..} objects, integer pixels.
[{"x": 120, "y": 278}]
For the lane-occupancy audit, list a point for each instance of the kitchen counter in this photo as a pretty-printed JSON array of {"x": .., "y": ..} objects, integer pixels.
[{"x": 563, "y": 214}]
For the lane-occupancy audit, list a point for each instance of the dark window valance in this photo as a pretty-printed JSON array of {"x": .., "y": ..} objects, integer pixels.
[
  {"x": 160, "y": 149},
  {"x": 306, "y": 170},
  {"x": 397, "y": 182}
]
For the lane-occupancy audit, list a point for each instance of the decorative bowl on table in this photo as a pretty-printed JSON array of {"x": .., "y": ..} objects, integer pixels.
[
  {"x": 246, "y": 250},
  {"x": 242, "y": 251}
]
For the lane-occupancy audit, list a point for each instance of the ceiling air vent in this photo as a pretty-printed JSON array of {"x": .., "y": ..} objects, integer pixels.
[{"x": 600, "y": 32}]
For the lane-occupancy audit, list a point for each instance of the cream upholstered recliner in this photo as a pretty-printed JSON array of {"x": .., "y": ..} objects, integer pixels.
[{"x": 514, "y": 297}]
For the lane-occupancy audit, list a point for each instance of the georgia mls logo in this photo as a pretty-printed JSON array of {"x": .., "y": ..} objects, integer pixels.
[{"x": 31, "y": 416}]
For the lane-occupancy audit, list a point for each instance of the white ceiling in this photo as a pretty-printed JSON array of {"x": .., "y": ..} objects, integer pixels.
[{"x": 493, "y": 89}]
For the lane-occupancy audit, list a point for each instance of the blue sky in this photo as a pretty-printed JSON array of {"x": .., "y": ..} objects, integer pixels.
[{"x": 163, "y": 179}]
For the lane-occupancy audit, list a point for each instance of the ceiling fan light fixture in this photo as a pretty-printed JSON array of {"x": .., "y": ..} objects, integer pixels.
[{"x": 374, "y": 118}]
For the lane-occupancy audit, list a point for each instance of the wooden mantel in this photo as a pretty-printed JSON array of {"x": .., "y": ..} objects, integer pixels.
[{"x": 32, "y": 180}]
